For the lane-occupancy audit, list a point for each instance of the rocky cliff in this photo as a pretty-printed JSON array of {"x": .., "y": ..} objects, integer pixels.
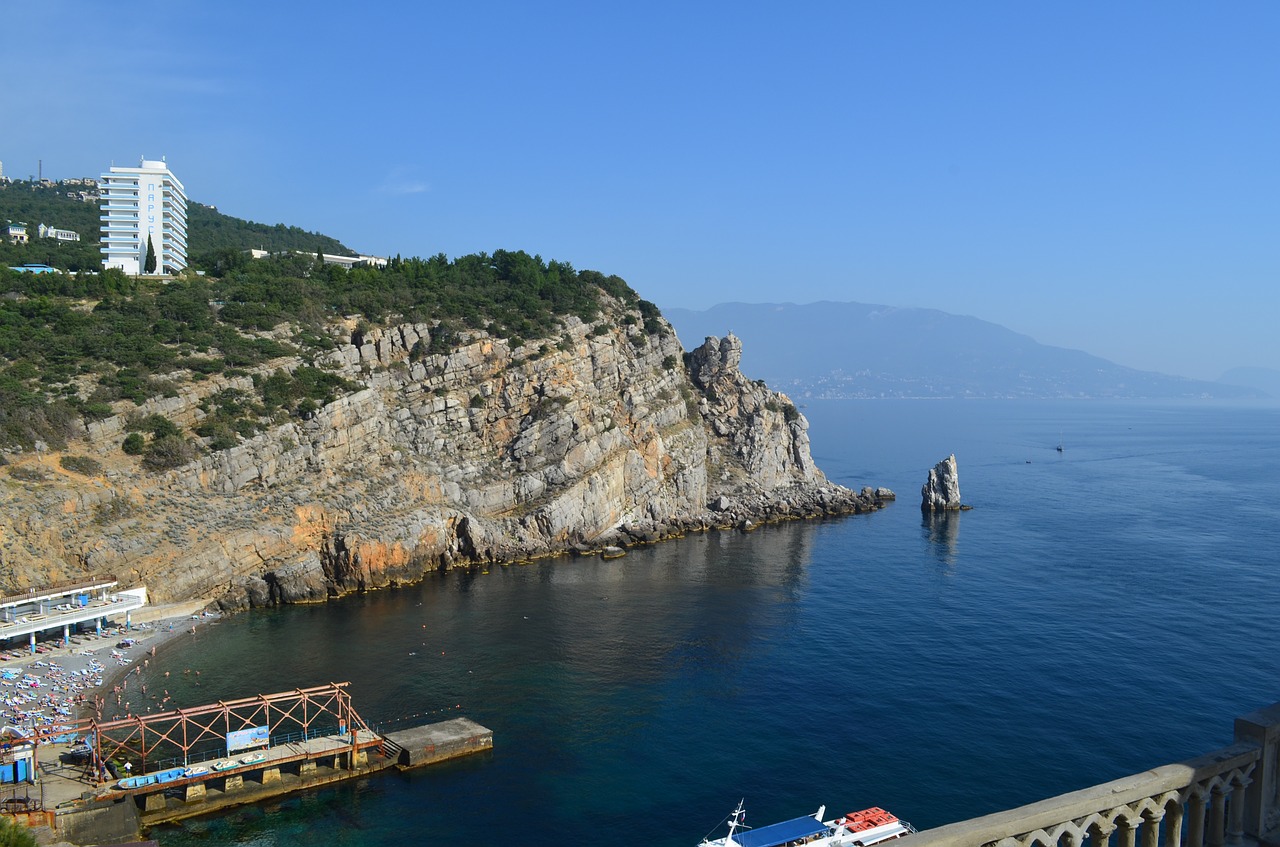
[{"x": 605, "y": 435}]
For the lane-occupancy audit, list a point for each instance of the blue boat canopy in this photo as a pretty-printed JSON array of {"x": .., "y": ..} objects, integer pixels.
[{"x": 780, "y": 833}]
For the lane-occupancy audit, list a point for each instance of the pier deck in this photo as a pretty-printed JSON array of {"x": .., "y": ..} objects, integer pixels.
[{"x": 83, "y": 803}]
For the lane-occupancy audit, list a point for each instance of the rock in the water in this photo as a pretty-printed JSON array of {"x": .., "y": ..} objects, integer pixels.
[{"x": 942, "y": 491}]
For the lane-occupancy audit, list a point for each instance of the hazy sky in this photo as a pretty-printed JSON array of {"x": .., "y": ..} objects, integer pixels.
[{"x": 1103, "y": 176}]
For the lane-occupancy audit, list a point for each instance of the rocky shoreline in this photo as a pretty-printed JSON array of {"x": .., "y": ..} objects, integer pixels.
[{"x": 801, "y": 502}]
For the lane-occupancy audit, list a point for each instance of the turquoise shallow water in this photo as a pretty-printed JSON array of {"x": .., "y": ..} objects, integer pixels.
[{"x": 1100, "y": 611}]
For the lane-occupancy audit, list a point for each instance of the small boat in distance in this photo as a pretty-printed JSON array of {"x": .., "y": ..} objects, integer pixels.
[
  {"x": 225, "y": 765},
  {"x": 199, "y": 770},
  {"x": 254, "y": 758},
  {"x": 856, "y": 829}
]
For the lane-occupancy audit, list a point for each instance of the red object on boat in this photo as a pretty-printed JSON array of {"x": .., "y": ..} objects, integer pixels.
[{"x": 867, "y": 819}]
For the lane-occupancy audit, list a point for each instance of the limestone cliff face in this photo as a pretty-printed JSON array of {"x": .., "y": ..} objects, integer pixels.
[{"x": 600, "y": 436}]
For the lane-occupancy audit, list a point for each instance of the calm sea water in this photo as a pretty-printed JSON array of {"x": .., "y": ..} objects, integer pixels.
[{"x": 1100, "y": 611}]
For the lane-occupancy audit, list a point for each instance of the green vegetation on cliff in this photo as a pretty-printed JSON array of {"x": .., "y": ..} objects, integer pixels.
[{"x": 74, "y": 346}]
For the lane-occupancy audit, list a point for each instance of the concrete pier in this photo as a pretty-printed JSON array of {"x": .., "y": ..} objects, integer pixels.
[
  {"x": 424, "y": 745},
  {"x": 292, "y": 767}
]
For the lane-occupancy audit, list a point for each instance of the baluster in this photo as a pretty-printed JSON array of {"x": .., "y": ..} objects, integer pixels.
[
  {"x": 1128, "y": 831},
  {"x": 1235, "y": 829},
  {"x": 1173, "y": 825},
  {"x": 1217, "y": 817},
  {"x": 1195, "y": 824},
  {"x": 1151, "y": 827},
  {"x": 1100, "y": 835}
]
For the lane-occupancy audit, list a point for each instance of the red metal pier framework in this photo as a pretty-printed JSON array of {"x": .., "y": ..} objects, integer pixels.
[{"x": 145, "y": 740}]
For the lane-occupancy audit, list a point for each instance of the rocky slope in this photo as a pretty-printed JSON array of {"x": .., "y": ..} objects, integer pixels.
[{"x": 606, "y": 435}]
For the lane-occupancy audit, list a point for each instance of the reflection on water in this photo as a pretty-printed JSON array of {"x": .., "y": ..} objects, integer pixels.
[
  {"x": 615, "y": 677},
  {"x": 942, "y": 532}
]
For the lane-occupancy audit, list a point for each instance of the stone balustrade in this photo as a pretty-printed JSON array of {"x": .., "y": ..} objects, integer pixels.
[{"x": 1228, "y": 797}]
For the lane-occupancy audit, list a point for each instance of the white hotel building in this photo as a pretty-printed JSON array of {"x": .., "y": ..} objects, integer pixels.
[{"x": 139, "y": 202}]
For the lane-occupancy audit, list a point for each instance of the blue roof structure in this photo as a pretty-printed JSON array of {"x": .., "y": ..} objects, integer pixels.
[{"x": 780, "y": 833}]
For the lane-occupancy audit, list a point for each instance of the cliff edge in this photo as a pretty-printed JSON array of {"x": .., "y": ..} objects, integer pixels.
[{"x": 608, "y": 434}]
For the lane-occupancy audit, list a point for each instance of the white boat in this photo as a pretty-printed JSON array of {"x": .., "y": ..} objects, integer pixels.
[
  {"x": 254, "y": 758},
  {"x": 856, "y": 829}
]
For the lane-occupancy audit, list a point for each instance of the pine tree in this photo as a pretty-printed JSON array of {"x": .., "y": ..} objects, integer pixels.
[{"x": 150, "y": 265}]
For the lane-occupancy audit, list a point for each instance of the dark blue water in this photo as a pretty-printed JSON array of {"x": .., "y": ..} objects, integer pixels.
[{"x": 1098, "y": 612}]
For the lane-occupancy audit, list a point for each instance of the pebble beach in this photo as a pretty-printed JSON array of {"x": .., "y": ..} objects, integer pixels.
[{"x": 91, "y": 676}]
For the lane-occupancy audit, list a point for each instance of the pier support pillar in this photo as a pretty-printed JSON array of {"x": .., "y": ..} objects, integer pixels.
[
  {"x": 33, "y": 642},
  {"x": 153, "y": 802},
  {"x": 66, "y": 634},
  {"x": 195, "y": 792},
  {"x": 234, "y": 783},
  {"x": 306, "y": 769},
  {"x": 128, "y": 620},
  {"x": 270, "y": 776}
]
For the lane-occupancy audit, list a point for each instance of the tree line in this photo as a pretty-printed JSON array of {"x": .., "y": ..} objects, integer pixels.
[{"x": 73, "y": 347}]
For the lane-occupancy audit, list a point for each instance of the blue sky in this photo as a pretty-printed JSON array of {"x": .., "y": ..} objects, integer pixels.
[{"x": 1103, "y": 176}]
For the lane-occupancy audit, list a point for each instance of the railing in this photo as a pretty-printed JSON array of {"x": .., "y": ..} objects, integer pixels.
[
  {"x": 208, "y": 753},
  {"x": 60, "y": 588},
  {"x": 1225, "y": 797}
]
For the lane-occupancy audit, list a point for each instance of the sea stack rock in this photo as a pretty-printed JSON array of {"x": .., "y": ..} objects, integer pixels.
[{"x": 942, "y": 491}]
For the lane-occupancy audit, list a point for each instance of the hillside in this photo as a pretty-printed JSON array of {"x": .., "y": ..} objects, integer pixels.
[
  {"x": 80, "y": 348},
  {"x": 850, "y": 350},
  {"x": 289, "y": 431},
  {"x": 211, "y": 234}
]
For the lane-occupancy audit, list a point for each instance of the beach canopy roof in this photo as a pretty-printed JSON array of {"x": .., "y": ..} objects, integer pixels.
[{"x": 780, "y": 833}]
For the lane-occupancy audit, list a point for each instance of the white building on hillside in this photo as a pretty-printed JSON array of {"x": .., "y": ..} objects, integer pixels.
[
  {"x": 137, "y": 203},
  {"x": 60, "y": 234}
]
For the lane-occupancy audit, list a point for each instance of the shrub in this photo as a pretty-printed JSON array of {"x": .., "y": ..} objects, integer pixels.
[
  {"x": 168, "y": 451},
  {"x": 96, "y": 411},
  {"x": 158, "y": 425},
  {"x": 27, "y": 473},
  {"x": 115, "y": 509},
  {"x": 14, "y": 834},
  {"x": 81, "y": 464},
  {"x": 134, "y": 444}
]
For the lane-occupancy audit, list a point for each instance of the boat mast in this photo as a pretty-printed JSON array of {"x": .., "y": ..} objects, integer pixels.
[{"x": 735, "y": 821}]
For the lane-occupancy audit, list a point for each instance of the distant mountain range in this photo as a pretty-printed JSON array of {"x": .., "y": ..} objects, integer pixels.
[
  {"x": 853, "y": 350},
  {"x": 1266, "y": 380}
]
